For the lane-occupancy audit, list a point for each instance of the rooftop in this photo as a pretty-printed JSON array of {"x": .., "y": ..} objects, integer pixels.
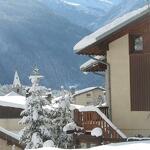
[
  {"x": 111, "y": 28},
  {"x": 87, "y": 90}
]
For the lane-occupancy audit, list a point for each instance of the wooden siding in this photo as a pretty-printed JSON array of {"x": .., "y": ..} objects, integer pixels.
[
  {"x": 140, "y": 68},
  {"x": 140, "y": 82},
  {"x": 9, "y": 112}
]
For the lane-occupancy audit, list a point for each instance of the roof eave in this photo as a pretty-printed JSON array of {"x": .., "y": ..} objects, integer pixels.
[{"x": 104, "y": 36}]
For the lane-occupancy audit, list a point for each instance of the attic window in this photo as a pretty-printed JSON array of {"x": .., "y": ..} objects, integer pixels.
[
  {"x": 138, "y": 43},
  {"x": 88, "y": 95}
]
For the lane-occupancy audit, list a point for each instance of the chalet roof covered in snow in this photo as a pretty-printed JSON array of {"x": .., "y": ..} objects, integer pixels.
[
  {"x": 12, "y": 93},
  {"x": 110, "y": 28},
  {"x": 12, "y": 100},
  {"x": 93, "y": 65},
  {"x": 87, "y": 90}
]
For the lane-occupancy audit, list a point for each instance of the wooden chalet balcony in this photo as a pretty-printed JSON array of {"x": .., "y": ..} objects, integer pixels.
[
  {"x": 105, "y": 110},
  {"x": 91, "y": 119}
]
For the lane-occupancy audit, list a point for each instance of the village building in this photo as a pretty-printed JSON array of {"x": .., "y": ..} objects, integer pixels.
[
  {"x": 89, "y": 96},
  {"x": 11, "y": 106},
  {"x": 125, "y": 43}
]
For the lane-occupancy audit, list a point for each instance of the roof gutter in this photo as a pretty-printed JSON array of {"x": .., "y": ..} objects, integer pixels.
[{"x": 107, "y": 84}]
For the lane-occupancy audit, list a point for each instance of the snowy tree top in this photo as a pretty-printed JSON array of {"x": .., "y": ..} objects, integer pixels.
[
  {"x": 35, "y": 78},
  {"x": 35, "y": 71}
]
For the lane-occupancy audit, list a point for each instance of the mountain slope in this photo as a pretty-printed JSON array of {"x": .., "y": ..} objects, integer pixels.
[
  {"x": 119, "y": 8},
  {"x": 79, "y": 12},
  {"x": 31, "y": 34}
]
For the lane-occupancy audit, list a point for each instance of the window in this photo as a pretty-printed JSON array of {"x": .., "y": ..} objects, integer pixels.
[
  {"x": 88, "y": 95},
  {"x": 17, "y": 90},
  {"x": 137, "y": 43}
]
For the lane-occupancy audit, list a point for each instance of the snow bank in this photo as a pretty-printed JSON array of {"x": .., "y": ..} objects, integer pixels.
[
  {"x": 110, "y": 28},
  {"x": 96, "y": 132},
  {"x": 144, "y": 145}
]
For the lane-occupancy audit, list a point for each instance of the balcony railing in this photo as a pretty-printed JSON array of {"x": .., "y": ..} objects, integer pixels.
[{"x": 90, "y": 120}]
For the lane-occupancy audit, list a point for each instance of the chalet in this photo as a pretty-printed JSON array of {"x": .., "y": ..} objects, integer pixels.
[
  {"x": 89, "y": 96},
  {"x": 125, "y": 44},
  {"x": 11, "y": 106}
]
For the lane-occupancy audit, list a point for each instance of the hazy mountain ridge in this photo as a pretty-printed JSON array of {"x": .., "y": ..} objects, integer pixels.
[
  {"x": 121, "y": 7},
  {"x": 33, "y": 32},
  {"x": 79, "y": 12}
]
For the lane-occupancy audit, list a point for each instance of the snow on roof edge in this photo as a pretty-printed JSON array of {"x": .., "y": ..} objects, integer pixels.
[
  {"x": 13, "y": 105},
  {"x": 92, "y": 108},
  {"x": 13, "y": 135},
  {"x": 91, "y": 62},
  {"x": 12, "y": 93},
  {"x": 87, "y": 90},
  {"x": 110, "y": 28},
  {"x": 13, "y": 101}
]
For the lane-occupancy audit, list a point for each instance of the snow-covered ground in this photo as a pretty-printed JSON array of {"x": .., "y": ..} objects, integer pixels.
[{"x": 142, "y": 145}]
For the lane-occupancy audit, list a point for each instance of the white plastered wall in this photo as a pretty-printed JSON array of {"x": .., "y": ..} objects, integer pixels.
[{"x": 83, "y": 99}]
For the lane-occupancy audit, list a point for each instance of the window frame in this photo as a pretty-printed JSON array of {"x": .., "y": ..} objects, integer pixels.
[{"x": 132, "y": 39}]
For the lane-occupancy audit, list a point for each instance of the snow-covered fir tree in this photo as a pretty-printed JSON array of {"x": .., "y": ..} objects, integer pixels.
[
  {"x": 35, "y": 118},
  {"x": 62, "y": 116}
]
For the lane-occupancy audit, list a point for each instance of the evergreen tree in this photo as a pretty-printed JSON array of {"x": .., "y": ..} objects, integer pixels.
[
  {"x": 62, "y": 116},
  {"x": 35, "y": 118}
]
